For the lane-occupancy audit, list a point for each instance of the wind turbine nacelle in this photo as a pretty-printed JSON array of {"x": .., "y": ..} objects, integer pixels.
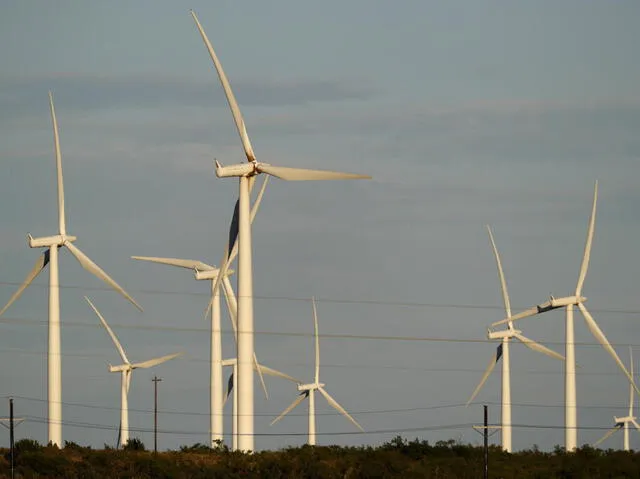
[
  {"x": 622, "y": 420},
  {"x": 505, "y": 333},
  {"x": 566, "y": 301},
  {"x": 242, "y": 169},
  {"x": 310, "y": 386},
  {"x": 211, "y": 274},
  {"x": 46, "y": 241},
  {"x": 119, "y": 369}
]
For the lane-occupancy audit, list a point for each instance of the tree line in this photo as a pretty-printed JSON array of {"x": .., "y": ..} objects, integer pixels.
[{"x": 394, "y": 459}]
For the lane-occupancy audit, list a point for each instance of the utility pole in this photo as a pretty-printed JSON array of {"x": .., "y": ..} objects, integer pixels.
[
  {"x": 486, "y": 442},
  {"x": 156, "y": 380},
  {"x": 11, "y": 444},
  {"x": 484, "y": 430},
  {"x": 10, "y": 423}
]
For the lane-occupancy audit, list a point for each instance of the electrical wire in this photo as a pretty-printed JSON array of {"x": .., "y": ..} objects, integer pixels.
[
  {"x": 361, "y": 412},
  {"x": 375, "y": 302},
  {"x": 372, "y": 337}
]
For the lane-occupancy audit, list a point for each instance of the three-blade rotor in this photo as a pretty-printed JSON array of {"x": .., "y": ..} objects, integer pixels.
[
  {"x": 578, "y": 300},
  {"x": 127, "y": 364},
  {"x": 511, "y": 332},
  {"x": 62, "y": 239},
  {"x": 308, "y": 389}
]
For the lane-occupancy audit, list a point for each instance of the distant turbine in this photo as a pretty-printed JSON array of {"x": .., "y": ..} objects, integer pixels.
[
  {"x": 308, "y": 391},
  {"x": 503, "y": 353},
  {"x": 623, "y": 422},
  {"x": 204, "y": 271},
  {"x": 50, "y": 256},
  {"x": 241, "y": 228},
  {"x": 568, "y": 302},
  {"x": 231, "y": 388},
  {"x": 126, "y": 369}
]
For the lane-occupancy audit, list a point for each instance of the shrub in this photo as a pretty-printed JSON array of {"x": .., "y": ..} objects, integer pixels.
[{"x": 134, "y": 444}]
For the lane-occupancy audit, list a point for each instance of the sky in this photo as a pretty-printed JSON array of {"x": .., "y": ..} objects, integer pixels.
[{"x": 465, "y": 114}]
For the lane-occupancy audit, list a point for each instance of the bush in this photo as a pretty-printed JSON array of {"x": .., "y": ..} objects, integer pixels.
[{"x": 134, "y": 444}]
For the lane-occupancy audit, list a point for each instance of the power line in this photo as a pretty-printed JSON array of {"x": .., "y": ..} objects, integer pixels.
[
  {"x": 377, "y": 367},
  {"x": 376, "y": 302},
  {"x": 442, "y": 427},
  {"x": 361, "y": 412},
  {"x": 300, "y": 334}
]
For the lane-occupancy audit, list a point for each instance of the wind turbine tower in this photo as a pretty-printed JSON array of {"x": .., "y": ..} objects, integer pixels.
[
  {"x": 241, "y": 228},
  {"x": 50, "y": 257}
]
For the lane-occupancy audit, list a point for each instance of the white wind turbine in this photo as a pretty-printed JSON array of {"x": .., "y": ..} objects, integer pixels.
[
  {"x": 126, "y": 369},
  {"x": 231, "y": 388},
  {"x": 241, "y": 228},
  {"x": 502, "y": 352},
  {"x": 50, "y": 257},
  {"x": 204, "y": 271},
  {"x": 308, "y": 391},
  {"x": 623, "y": 422},
  {"x": 568, "y": 302}
]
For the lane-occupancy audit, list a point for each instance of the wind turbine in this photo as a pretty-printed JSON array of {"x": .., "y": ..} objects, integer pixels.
[
  {"x": 204, "y": 271},
  {"x": 241, "y": 229},
  {"x": 623, "y": 422},
  {"x": 126, "y": 369},
  {"x": 568, "y": 302},
  {"x": 307, "y": 391},
  {"x": 502, "y": 352},
  {"x": 50, "y": 257},
  {"x": 231, "y": 388}
]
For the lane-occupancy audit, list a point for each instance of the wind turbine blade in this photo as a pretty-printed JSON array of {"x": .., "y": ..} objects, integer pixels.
[
  {"x": 317, "y": 341},
  {"x": 224, "y": 264},
  {"x": 631, "y": 387},
  {"x": 42, "y": 261},
  {"x": 232, "y": 246},
  {"x": 258, "y": 200},
  {"x": 492, "y": 364},
  {"x": 56, "y": 142},
  {"x": 181, "y": 263},
  {"x": 531, "y": 344},
  {"x": 301, "y": 174},
  {"x": 587, "y": 246},
  {"x": 156, "y": 361},
  {"x": 523, "y": 314},
  {"x": 607, "y": 435},
  {"x": 503, "y": 282},
  {"x": 114, "y": 338},
  {"x": 258, "y": 369},
  {"x": 229, "y": 390},
  {"x": 274, "y": 372},
  {"x": 599, "y": 335},
  {"x": 90, "y": 266},
  {"x": 233, "y": 231},
  {"x": 231, "y": 99},
  {"x": 301, "y": 397},
  {"x": 233, "y": 313},
  {"x": 635, "y": 423},
  {"x": 339, "y": 408}
]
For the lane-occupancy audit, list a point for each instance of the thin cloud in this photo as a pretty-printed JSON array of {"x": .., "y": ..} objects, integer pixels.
[{"x": 27, "y": 95}]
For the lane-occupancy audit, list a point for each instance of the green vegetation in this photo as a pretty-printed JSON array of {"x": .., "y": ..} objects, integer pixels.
[{"x": 397, "y": 458}]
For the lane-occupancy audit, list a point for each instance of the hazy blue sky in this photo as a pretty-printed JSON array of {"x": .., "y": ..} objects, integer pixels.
[{"x": 465, "y": 113}]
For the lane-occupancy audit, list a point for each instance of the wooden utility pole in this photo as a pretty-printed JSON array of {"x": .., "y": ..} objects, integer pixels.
[
  {"x": 486, "y": 442},
  {"x": 11, "y": 443},
  {"x": 484, "y": 430},
  {"x": 155, "y": 380},
  {"x": 10, "y": 423}
]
